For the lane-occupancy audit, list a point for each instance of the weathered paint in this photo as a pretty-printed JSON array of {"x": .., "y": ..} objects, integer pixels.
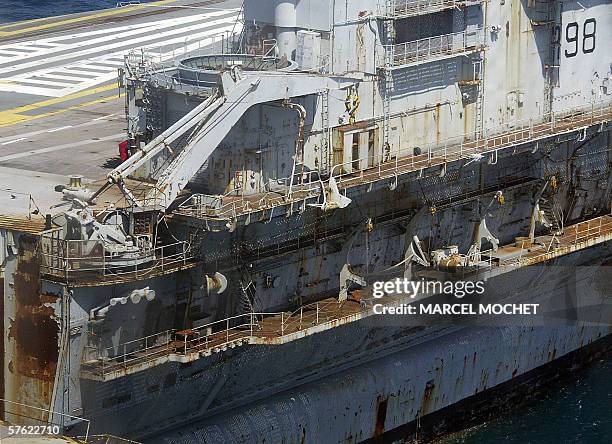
[
  {"x": 33, "y": 333},
  {"x": 428, "y": 382},
  {"x": 2, "y": 355},
  {"x": 369, "y": 401}
]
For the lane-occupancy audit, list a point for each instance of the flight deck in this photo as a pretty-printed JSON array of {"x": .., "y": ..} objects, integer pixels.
[{"x": 61, "y": 111}]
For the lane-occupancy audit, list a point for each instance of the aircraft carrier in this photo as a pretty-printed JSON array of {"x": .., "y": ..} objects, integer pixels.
[{"x": 198, "y": 198}]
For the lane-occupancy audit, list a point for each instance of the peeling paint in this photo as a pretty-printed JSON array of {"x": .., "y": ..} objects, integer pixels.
[
  {"x": 2, "y": 355},
  {"x": 33, "y": 335}
]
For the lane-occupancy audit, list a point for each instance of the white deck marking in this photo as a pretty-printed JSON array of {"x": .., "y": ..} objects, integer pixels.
[
  {"x": 58, "y": 147},
  {"x": 93, "y": 73},
  {"x": 61, "y": 77},
  {"x": 13, "y": 141},
  {"x": 35, "y": 133},
  {"x": 59, "y": 129},
  {"x": 69, "y": 43}
]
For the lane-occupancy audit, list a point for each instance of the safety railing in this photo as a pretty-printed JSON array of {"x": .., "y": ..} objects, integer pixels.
[
  {"x": 29, "y": 416},
  {"x": 236, "y": 202},
  {"x": 434, "y": 48},
  {"x": 95, "y": 260},
  {"x": 248, "y": 328},
  {"x": 160, "y": 62},
  {"x": 125, "y": 353},
  {"x": 584, "y": 231},
  {"x": 472, "y": 145},
  {"x": 218, "y": 334},
  {"x": 409, "y": 8},
  {"x": 573, "y": 236}
]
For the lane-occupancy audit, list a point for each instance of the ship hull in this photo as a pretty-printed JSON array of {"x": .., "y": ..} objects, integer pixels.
[
  {"x": 377, "y": 402},
  {"x": 358, "y": 381}
]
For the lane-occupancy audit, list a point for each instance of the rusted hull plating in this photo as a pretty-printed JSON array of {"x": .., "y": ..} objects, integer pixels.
[
  {"x": 399, "y": 390},
  {"x": 30, "y": 348},
  {"x": 332, "y": 394}
]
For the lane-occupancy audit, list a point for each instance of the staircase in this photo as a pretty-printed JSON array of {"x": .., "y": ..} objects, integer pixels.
[
  {"x": 248, "y": 290},
  {"x": 551, "y": 215}
]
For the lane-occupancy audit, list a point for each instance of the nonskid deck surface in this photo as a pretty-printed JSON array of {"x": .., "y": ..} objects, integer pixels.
[
  {"x": 279, "y": 328},
  {"x": 61, "y": 113}
]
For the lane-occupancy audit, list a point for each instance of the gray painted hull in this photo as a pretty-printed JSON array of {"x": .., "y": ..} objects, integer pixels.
[{"x": 328, "y": 387}]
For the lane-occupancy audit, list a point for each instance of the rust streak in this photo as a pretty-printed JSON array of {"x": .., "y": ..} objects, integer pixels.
[
  {"x": 381, "y": 416},
  {"x": 34, "y": 330},
  {"x": 2, "y": 358}
]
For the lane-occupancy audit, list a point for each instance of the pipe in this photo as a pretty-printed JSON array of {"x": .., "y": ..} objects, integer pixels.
[
  {"x": 175, "y": 131},
  {"x": 299, "y": 142}
]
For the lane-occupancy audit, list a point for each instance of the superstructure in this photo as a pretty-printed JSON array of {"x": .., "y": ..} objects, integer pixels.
[{"x": 211, "y": 287}]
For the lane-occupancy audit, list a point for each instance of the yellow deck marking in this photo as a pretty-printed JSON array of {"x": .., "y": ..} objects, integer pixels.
[
  {"x": 14, "y": 115},
  {"x": 25, "y": 22},
  {"x": 20, "y": 118},
  {"x": 84, "y": 18}
]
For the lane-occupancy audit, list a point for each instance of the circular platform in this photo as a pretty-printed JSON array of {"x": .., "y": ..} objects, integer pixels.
[{"x": 204, "y": 70}]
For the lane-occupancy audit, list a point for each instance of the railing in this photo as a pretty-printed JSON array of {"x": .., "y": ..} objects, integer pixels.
[
  {"x": 408, "y": 8},
  {"x": 583, "y": 231},
  {"x": 33, "y": 208},
  {"x": 30, "y": 417},
  {"x": 235, "y": 202},
  {"x": 433, "y": 48},
  {"x": 158, "y": 56},
  {"x": 209, "y": 338},
  {"x": 573, "y": 236},
  {"x": 384, "y": 165},
  {"x": 160, "y": 62},
  {"x": 125, "y": 353},
  {"x": 219, "y": 334},
  {"x": 473, "y": 145},
  {"x": 83, "y": 260}
]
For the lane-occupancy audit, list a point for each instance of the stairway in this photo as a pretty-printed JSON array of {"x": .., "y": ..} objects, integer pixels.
[
  {"x": 248, "y": 290},
  {"x": 551, "y": 215}
]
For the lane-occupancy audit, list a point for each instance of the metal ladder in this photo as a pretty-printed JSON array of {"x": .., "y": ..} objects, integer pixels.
[
  {"x": 325, "y": 131},
  {"x": 389, "y": 28},
  {"x": 553, "y": 57},
  {"x": 478, "y": 75}
]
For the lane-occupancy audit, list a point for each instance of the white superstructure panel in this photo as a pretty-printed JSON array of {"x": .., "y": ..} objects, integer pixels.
[{"x": 585, "y": 58}]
